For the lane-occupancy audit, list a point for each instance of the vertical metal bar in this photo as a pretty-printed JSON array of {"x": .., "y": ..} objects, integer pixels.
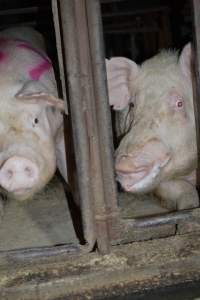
[
  {"x": 59, "y": 50},
  {"x": 79, "y": 125},
  {"x": 91, "y": 120},
  {"x": 102, "y": 109},
  {"x": 196, "y": 65},
  {"x": 87, "y": 87}
]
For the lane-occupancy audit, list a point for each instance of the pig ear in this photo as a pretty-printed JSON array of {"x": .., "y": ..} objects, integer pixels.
[
  {"x": 185, "y": 60},
  {"x": 120, "y": 72},
  {"x": 36, "y": 93}
]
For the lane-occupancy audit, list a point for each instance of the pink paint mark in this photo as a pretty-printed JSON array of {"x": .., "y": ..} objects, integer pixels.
[
  {"x": 29, "y": 47},
  {"x": 2, "y": 56},
  {"x": 36, "y": 72}
]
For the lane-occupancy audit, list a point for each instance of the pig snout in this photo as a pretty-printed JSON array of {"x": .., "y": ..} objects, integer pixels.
[
  {"x": 18, "y": 174},
  {"x": 138, "y": 170}
]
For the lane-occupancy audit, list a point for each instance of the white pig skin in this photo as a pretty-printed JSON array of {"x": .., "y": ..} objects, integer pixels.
[
  {"x": 31, "y": 120},
  {"x": 159, "y": 153}
]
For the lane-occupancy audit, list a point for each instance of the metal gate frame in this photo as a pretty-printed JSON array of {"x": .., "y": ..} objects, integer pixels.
[{"x": 83, "y": 47}]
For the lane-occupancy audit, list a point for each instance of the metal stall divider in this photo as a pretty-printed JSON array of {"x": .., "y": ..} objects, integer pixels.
[
  {"x": 91, "y": 122},
  {"x": 196, "y": 67}
]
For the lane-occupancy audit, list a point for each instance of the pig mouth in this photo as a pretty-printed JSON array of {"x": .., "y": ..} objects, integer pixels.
[
  {"x": 142, "y": 179},
  {"x": 19, "y": 192}
]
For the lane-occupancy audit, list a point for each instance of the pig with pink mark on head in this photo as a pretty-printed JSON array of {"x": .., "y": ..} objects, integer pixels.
[
  {"x": 158, "y": 153},
  {"x": 31, "y": 120}
]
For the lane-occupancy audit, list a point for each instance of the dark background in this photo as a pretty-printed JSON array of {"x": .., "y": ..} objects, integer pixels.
[
  {"x": 132, "y": 28},
  {"x": 139, "y": 29}
]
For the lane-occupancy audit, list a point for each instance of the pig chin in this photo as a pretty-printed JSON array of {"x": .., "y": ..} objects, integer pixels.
[
  {"x": 140, "y": 169},
  {"x": 143, "y": 180}
]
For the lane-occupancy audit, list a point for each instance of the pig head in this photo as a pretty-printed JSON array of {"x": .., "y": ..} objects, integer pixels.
[
  {"x": 31, "y": 120},
  {"x": 158, "y": 154}
]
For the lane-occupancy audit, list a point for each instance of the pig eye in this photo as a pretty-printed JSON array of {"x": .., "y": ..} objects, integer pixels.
[
  {"x": 179, "y": 103},
  {"x": 176, "y": 101},
  {"x": 35, "y": 122}
]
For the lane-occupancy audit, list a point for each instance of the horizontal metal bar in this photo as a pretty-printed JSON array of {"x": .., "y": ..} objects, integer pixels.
[
  {"x": 29, "y": 23},
  {"x": 136, "y": 12},
  {"x": 131, "y": 30},
  {"x": 110, "y": 1},
  {"x": 39, "y": 252},
  {"x": 19, "y": 11},
  {"x": 163, "y": 219}
]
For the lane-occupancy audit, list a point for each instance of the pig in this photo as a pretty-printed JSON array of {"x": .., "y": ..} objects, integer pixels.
[
  {"x": 31, "y": 115},
  {"x": 158, "y": 152}
]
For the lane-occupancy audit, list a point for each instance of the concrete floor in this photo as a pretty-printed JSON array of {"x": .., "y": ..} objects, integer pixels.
[
  {"x": 45, "y": 220},
  {"x": 133, "y": 206},
  {"x": 42, "y": 221}
]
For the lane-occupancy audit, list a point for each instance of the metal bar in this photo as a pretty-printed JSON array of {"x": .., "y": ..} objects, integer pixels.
[
  {"x": 77, "y": 112},
  {"x": 28, "y": 23},
  {"x": 131, "y": 30},
  {"x": 19, "y": 11},
  {"x": 109, "y": 203},
  {"x": 111, "y": 1},
  {"x": 59, "y": 50},
  {"x": 23, "y": 255},
  {"x": 90, "y": 113},
  {"x": 163, "y": 219},
  {"x": 196, "y": 65},
  {"x": 136, "y": 12}
]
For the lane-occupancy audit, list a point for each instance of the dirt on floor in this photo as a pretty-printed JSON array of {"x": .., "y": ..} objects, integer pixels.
[{"x": 42, "y": 221}]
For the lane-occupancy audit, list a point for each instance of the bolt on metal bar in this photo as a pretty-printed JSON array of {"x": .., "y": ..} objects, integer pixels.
[{"x": 77, "y": 112}]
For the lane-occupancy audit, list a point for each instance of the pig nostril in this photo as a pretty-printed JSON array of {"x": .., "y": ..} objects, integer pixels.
[
  {"x": 28, "y": 171},
  {"x": 9, "y": 174}
]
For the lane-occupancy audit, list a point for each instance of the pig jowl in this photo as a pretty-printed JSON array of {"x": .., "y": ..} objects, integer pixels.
[{"x": 139, "y": 170}]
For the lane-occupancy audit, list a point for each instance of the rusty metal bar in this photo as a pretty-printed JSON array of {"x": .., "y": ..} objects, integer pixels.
[
  {"x": 164, "y": 219},
  {"x": 25, "y": 255},
  {"x": 103, "y": 116},
  {"x": 59, "y": 50},
  {"x": 196, "y": 65},
  {"x": 87, "y": 87},
  {"x": 77, "y": 112}
]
